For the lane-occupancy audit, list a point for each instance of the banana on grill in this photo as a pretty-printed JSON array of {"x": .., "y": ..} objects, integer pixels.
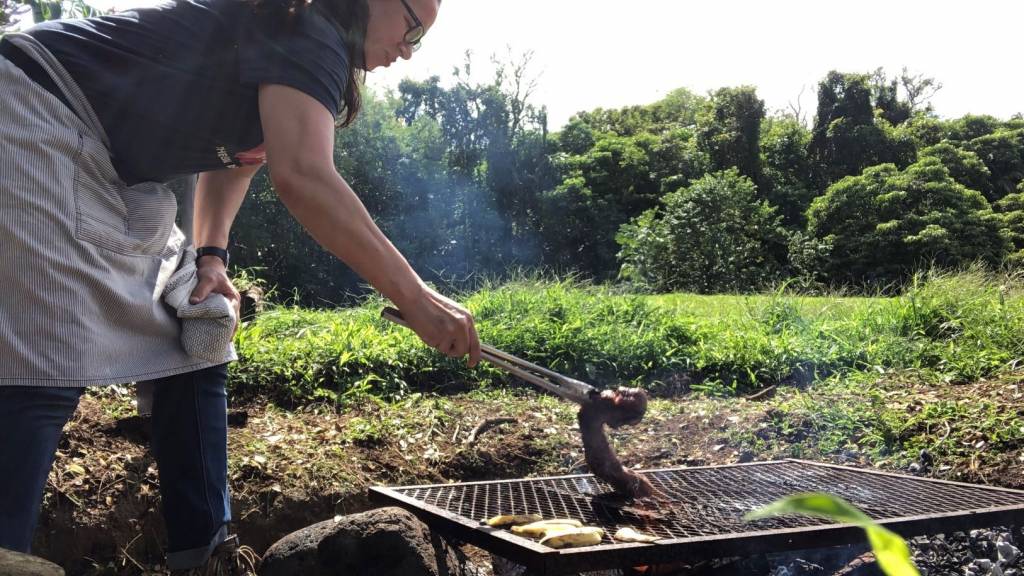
[
  {"x": 510, "y": 519},
  {"x": 583, "y": 536},
  {"x": 628, "y": 534},
  {"x": 544, "y": 527}
]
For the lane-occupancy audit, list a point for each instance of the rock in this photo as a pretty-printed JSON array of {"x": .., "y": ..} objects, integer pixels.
[
  {"x": 926, "y": 458},
  {"x": 1008, "y": 553},
  {"x": 18, "y": 564},
  {"x": 382, "y": 542}
]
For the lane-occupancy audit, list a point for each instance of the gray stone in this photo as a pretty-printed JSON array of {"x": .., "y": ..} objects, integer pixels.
[
  {"x": 18, "y": 564},
  {"x": 382, "y": 542},
  {"x": 1008, "y": 553}
]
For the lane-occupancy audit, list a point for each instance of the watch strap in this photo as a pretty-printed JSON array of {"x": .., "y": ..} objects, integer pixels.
[{"x": 213, "y": 251}]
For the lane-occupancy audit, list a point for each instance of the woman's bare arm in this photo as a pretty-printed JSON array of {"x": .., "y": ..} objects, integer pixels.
[{"x": 299, "y": 138}]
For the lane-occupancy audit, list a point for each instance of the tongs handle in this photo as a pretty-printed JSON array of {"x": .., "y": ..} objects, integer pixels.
[{"x": 563, "y": 386}]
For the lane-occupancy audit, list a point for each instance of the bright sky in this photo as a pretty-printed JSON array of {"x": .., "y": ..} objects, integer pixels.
[
  {"x": 610, "y": 54},
  {"x": 599, "y": 53}
]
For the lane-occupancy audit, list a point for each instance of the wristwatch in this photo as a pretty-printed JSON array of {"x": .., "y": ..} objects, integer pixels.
[{"x": 213, "y": 251}]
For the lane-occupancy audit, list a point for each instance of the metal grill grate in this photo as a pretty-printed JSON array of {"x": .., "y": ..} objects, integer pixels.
[{"x": 703, "y": 517}]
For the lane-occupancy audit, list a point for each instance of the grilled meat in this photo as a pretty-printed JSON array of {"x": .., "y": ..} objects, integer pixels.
[{"x": 614, "y": 408}]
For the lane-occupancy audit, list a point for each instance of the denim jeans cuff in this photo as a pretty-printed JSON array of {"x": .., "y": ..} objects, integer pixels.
[{"x": 186, "y": 559}]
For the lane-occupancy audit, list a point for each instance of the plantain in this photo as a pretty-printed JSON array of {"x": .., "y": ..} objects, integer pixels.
[
  {"x": 628, "y": 534},
  {"x": 584, "y": 536},
  {"x": 543, "y": 527},
  {"x": 510, "y": 519}
]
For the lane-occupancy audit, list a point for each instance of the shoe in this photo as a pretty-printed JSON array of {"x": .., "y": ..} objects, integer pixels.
[{"x": 228, "y": 559}]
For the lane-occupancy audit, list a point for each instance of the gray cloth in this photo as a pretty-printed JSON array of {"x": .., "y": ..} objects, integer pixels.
[
  {"x": 84, "y": 258},
  {"x": 207, "y": 327}
]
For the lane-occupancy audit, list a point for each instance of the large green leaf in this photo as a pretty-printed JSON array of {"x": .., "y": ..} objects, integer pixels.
[{"x": 890, "y": 549}]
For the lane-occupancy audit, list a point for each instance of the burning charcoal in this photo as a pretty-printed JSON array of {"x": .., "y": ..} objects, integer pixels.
[{"x": 614, "y": 408}]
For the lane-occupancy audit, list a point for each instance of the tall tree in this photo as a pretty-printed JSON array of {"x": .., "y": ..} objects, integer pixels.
[
  {"x": 788, "y": 170},
  {"x": 729, "y": 130},
  {"x": 847, "y": 137},
  {"x": 885, "y": 93}
]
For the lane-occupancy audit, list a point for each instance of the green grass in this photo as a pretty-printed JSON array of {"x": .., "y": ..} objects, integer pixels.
[{"x": 950, "y": 327}]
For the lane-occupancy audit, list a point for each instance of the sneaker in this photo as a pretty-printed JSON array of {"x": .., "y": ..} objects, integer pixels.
[{"x": 228, "y": 559}]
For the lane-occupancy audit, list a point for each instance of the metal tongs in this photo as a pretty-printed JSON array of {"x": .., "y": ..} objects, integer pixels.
[{"x": 559, "y": 385}]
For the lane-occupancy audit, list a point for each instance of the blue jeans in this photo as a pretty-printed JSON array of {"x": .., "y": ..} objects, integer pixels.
[{"x": 189, "y": 444}]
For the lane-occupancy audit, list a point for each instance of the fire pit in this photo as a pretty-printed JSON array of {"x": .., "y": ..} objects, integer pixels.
[{"x": 702, "y": 517}]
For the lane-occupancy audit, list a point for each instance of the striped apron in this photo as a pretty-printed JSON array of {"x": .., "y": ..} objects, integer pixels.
[{"x": 83, "y": 257}]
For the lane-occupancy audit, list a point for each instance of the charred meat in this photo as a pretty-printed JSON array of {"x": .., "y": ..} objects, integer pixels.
[{"x": 614, "y": 408}]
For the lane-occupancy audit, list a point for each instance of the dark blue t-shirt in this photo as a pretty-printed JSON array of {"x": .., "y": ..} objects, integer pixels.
[{"x": 175, "y": 86}]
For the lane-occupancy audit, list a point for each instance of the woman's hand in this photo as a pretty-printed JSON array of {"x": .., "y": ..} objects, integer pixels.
[
  {"x": 214, "y": 278},
  {"x": 444, "y": 325}
]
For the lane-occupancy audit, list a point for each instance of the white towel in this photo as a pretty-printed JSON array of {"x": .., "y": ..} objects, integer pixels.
[{"x": 207, "y": 327}]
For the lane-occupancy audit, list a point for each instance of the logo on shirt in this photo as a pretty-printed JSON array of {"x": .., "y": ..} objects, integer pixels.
[{"x": 222, "y": 153}]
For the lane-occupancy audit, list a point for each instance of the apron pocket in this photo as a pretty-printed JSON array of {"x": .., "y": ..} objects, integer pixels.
[{"x": 131, "y": 220}]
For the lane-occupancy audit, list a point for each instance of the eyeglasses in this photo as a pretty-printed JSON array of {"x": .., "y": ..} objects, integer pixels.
[{"x": 413, "y": 35}]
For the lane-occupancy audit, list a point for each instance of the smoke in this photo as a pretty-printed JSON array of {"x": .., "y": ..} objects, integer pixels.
[{"x": 452, "y": 231}]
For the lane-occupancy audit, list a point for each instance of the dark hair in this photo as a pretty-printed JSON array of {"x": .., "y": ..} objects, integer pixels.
[{"x": 351, "y": 17}]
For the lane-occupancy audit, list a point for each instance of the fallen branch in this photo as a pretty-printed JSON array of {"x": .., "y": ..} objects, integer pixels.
[
  {"x": 948, "y": 431},
  {"x": 761, "y": 393},
  {"x": 485, "y": 426},
  {"x": 129, "y": 556}
]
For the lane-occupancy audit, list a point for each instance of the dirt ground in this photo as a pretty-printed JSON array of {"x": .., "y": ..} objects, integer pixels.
[{"x": 290, "y": 469}]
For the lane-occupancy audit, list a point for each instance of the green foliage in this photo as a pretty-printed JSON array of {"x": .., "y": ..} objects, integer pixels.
[
  {"x": 966, "y": 325},
  {"x": 466, "y": 181},
  {"x": 614, "y": 165},
  {"x": 1010, "y": 209},
  {"x": 972, "y": 126},
  {"x": 848, "y": 136},
  {"x": 787, "y": 168},
  {"x": 615, "y": 180},
  {"x": 729, "y": 129},
  {"x": 890, "y": 549},
  {"x": 679, "y": 108},
  {"x": 451, "y": 175},
  {"x": 1003, "y": 153},
  {"x": 885, "y": 96},
  {"x": 885, "y": 224},
  {"x": 926, "y": 130},
  {"x": 964, "y": 166},
  {"x": 297, "y": 355},
  {"x": 955, "y": 328},
  {"x": 578, "y": 226},
  {"x": 714, "y": 236}
]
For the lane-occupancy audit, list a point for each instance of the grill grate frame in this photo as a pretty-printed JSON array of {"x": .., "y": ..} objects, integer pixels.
[{"x": 703, "y": 518}]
